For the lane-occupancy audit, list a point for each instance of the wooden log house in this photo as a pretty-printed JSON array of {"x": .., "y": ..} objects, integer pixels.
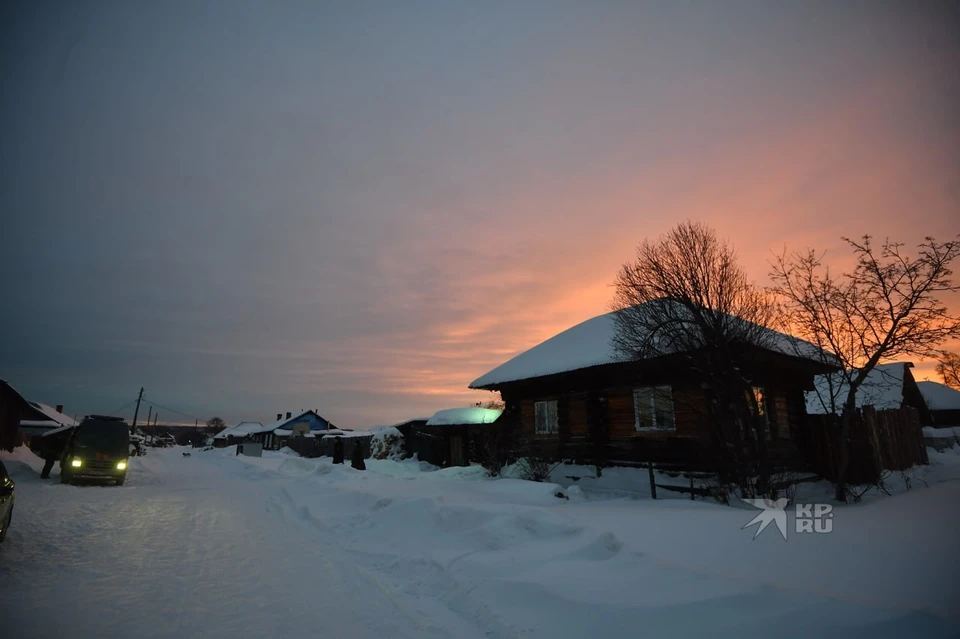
[{"x": 571, "y": 397}]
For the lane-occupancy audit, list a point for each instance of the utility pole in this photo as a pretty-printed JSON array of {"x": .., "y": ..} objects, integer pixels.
[
  {"x": 155, "y": 417},
  {"x": 149, "y": 412},
  {"x": 137, "y": 411}
]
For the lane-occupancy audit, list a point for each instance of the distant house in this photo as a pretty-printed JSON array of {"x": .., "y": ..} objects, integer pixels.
[
  {"x": 888, "y": 386},
  {"x": 574, "y": 397},
  {"x": 455, "y": 436},
  {"x": 274, "y": 435},
  {"x": 943, "y": 403},
  {"x": 21, "y": 419},
  {"x": 39, "y": 418},
  {"x": 236, "y": 434}
]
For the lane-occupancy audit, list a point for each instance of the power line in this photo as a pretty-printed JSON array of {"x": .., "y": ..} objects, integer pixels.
[
  {"x": 124, "y": 407},
  {"x": 172, "y": 410}
]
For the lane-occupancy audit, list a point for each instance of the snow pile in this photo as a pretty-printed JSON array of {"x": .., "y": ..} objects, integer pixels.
[
  {"x": 464, "y": 416},
  {"x": 387, "y": 443},
  {"x": 941, "y": 433}
]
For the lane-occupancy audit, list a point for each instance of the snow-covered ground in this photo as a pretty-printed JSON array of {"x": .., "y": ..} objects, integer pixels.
[{"x": 220, "y": 546}]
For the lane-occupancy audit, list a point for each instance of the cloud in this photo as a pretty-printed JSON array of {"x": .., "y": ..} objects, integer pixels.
[{"x": 363, "y": 210}]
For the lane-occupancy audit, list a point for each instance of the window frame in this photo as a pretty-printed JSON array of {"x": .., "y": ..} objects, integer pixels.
[
  {"x": 652, "y": 393},
  {"x": 761, "y": 395},
  {"x": 551, "y": 429}
]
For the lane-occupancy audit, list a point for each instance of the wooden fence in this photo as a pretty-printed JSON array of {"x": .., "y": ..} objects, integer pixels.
[
  {"x": 323, "y": 447},
  {"x": 879, "y": 441}
]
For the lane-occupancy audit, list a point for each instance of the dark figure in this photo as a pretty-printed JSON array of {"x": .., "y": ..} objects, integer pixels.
[
  {"x": 47, "y": 467},
  {"x": 50, "y": 448},
  {"x": 356, "y": 459},
  {"x": 338, "y": 451}
]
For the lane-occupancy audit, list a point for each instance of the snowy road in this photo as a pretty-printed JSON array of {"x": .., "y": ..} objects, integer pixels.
[
  {"x": 183, "y": 549},
  {"x": 219, "y": 546}
]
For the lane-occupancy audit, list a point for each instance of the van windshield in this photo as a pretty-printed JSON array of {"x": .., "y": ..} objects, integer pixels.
[{"x": 103, "y": 437}]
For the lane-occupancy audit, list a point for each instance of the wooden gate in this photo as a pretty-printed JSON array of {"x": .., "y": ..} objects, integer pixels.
[{"x": 456, "y": 450}]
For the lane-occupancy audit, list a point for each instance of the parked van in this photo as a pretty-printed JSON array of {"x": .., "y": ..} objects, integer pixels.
[{"x": 97, "y": 450}]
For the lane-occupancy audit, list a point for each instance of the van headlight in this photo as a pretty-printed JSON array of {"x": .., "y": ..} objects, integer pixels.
[
  {"x": 121, "y": 465},
  {"x": 76, "y": 463}
]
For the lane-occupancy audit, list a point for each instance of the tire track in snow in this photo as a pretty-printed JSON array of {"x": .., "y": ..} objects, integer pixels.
[{"x": 415, "y": 595}]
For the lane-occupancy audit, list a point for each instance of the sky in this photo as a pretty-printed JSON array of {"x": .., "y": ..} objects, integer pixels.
[{"x": 360, "y": 207}]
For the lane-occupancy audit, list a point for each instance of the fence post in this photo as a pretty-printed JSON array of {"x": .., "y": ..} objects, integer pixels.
[{"x": 653, "y": 482}]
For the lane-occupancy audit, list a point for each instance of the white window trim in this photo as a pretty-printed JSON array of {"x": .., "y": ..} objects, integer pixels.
[
  {"x": 552, "y": 429},
  {"x": 653, "y": 410}
]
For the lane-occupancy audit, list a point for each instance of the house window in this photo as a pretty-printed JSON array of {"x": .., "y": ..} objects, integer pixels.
[
  {"x": 545, "y": 417},
  {"x": 653, "y": 409},
  {"x": 760, "y": 402},
  {"x": 761, "y": 405}
]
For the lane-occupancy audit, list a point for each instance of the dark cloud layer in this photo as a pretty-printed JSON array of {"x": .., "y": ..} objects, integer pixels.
[{"x": 251, "y": 207}]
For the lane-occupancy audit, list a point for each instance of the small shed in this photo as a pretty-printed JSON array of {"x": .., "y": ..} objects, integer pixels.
[
  {"x": 887, "y": 387},
  {"x": 943, "y": 402},
  {"x": 456, "y": 436},
  {"x": 236, "y": 434}
]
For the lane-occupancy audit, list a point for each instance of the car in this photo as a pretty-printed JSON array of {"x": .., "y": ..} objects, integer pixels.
[
  {"x": 6, "y": 501},
  {"x": 98, "y": 449}
]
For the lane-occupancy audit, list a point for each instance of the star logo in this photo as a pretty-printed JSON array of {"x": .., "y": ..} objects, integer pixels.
[{"x": 772, "y": 511}]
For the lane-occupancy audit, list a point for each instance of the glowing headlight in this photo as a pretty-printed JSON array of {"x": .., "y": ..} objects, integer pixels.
[
  {"x": 121, "y": 465},
  {"x": 76, "y": 463}
]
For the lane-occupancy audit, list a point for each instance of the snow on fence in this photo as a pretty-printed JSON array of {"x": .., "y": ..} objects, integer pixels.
[{"x": 879, "y": 440}]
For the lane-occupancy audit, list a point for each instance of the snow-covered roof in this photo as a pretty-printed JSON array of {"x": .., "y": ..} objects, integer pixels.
[
  {"x": 240, "y": 430},
  {"x": 882, "y": 389},
  {"x": 590, "y": 343},
  {"x": 336, "y": 432},
  {"x": 57, "y": 431},
  {"x": 376, "y": 429},
  {"x": 458, "y": 416},
  {"x": 279, "y": 423},
  {"x": 53, "y": 414},
  {"x": 940, "y": 396},
  {"x": 43, "y": 423}
]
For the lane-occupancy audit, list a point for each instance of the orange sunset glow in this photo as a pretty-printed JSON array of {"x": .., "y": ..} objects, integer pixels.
[{"x": 366, "y": 226}]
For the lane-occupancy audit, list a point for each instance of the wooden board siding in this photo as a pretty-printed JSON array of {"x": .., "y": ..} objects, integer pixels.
[
  {"x": 689, "y": 412},
  {"x": 620, "y": 413},
  {"x": 577, "y": 415},
  {"x": 779, "y": 413},
  {"x": 796, "y": 412}
]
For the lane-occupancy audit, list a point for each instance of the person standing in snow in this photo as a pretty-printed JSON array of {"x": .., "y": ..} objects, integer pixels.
[
  {"x": 356, "y": 460},
  {"x": 50, "y": 449}
]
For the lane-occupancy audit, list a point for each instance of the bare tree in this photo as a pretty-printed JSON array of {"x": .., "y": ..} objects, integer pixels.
[
  {"x": 948, "y": 368},
  {"x": 216, "y": 422},
  {"x": 685, "y": 293},
  {"x": 888, "y": 306}
]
